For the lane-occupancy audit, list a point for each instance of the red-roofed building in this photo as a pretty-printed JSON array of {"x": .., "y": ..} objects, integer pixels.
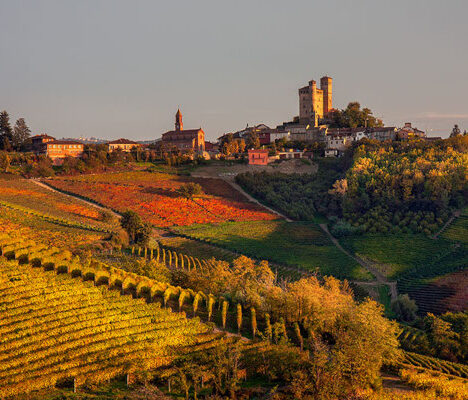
[
  {"x": 38, "y": 140},
  {"x": 258, "y": 157},
  {"x": 184, "y": 140},
  {"x": 122, "y": 144}
]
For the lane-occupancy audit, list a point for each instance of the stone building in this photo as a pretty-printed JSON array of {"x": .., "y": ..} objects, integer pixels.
[
  {"x": 122, "y": 144},
  {"x": 314, "y": 103},
  {"x": 382, "y": 134},
  {"x": 184, "y": 140}
]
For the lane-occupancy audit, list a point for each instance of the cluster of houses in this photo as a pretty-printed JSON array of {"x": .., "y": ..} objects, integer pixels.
[{"x": 314, "y": 104}]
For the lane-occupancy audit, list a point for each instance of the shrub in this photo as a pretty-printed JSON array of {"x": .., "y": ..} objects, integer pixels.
[
  {"x": 405, "y": 308},
  {"x": 189, "y": 190}
]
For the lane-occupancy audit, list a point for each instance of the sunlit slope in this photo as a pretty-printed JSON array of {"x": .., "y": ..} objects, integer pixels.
[{"x": 55, "y": 327}]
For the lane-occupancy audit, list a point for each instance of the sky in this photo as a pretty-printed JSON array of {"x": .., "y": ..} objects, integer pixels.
[{"x": 114, "y": 68}]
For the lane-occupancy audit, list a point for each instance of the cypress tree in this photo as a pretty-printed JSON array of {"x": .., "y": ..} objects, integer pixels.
[
  {"x": 167, "y": 295},
  {"x": 268, "y": 329},
  {"x": 182, "y": 297},
  {"x": 211, "y": 301},
  {"x": 224, "y": 311},
  {"x": 196, "y": 300},
  {"x": 21, "y": 134},
  {"x": 6, "y": 133},
  {"x": 239, "y": 317},
  {"x": 299, "y": 337},
  {"x": 253, "y": 319}
]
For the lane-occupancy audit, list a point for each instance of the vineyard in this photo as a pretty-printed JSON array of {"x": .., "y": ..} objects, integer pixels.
[
  {"x": 154, "y": 196},
  {"x": 55, "y": 328},
  {"x": 25, "y": 195},
  {"x": 46, "y": 231},
  {"x": 458, "y": 231},
  {"x": 48, "y": 313},
  {"x": 294, "y": 244},
  {"x": 422, "y": 267}
]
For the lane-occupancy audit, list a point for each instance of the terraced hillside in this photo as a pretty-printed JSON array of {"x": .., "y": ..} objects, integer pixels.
[{"x": 56, "y": 328}]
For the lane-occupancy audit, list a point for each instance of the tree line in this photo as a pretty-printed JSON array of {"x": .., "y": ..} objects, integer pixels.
[{"x": 16, "y": 138}]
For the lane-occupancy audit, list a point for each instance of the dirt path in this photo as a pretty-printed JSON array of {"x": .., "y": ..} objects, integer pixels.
[
  {"x": 456, "y": 214},
  {"x": 252, "y": 199},
  {"x": 46, "y": 186},
  {"x": 244, "y": 193},
  {"x": 380, "y": 278}
]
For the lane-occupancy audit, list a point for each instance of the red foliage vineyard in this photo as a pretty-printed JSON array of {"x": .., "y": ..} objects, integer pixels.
[{"x": 154, "y": 197}]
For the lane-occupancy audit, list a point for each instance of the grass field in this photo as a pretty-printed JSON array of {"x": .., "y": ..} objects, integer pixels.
[{"x": 295, "y": 244}]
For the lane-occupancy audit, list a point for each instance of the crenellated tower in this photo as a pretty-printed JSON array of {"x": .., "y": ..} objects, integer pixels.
[
  {"x": 314, "y": 103},
  {"x": 326, "y": 85}
]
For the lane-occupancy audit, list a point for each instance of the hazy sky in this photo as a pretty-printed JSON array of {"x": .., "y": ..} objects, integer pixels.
[{"x": 115, "y": 69}]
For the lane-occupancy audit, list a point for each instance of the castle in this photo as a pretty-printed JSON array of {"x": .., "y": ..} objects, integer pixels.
[{"x": 314, "y": 103}]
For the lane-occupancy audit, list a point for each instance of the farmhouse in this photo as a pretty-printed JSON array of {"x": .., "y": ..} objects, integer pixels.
[
  {"x": 57, "y": 150},
  {"x": 122, "y": 144}
]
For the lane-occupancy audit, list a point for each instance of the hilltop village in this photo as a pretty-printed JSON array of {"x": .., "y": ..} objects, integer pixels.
[{"x": 318, "y": 130}]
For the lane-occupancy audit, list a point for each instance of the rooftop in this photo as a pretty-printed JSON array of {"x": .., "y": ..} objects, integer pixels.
[
  {"x": 63, "y": 142},
  {"x": 122, "y": 141}
]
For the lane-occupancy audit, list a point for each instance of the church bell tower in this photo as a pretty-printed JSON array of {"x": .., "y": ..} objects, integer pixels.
[{"x": 179, "y": 125}]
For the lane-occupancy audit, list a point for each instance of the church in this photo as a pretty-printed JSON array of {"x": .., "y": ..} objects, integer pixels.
[{"x": 184, "y": 140}]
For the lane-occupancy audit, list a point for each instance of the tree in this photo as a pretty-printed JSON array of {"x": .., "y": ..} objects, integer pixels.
[
  {"x": 131, "y": 222},
  {"x": 405, "y": 308},
  {"x": 6, "y": 133},
  {"x": 21, "y": 134},
  {"x": 143, "y": 234},
  {"x": 353, "y": 117},
  {"x": 455, "y": 131},
  {"x": 253, "y": 321},
  {"x": 189, "y": 190},
  {"x": 252, "y": 140},
  {"x": 239, "y": 317},
  {"x": 138, "y": 231},
  {"x": 4, "y": 161}
]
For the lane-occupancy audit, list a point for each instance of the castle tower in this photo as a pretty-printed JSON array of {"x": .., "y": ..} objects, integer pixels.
[
  {"x": 179, "y": 125},
  {"x": 326, "y": 86},
  {"x": 313, "y": 96}
]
